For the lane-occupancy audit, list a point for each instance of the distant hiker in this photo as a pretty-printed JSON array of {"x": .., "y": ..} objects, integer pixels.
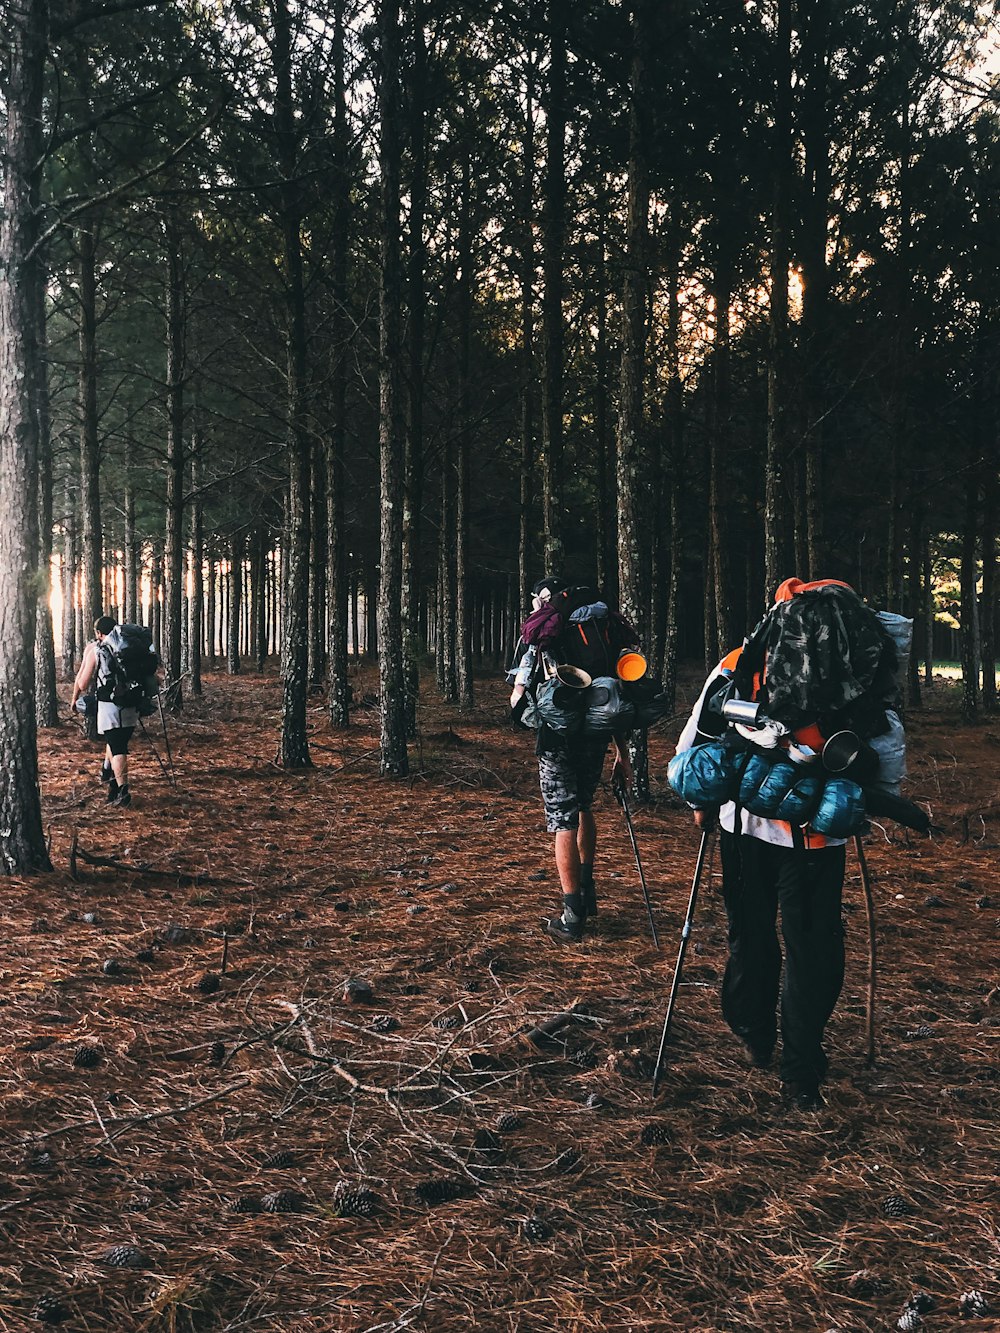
[
  {"x": 789, "y": 726},
  {"x": 122, "y": 663},
  {"x": 565, "y": 685}
]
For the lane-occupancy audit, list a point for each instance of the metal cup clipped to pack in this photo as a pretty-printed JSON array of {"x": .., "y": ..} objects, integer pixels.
[
  {"x": 572, "y": 683},
  {"x": 848, "y": 756}
]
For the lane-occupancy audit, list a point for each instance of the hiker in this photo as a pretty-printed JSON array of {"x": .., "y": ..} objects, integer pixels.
[
  {"x": 821, "y": 664},
  {"x": 571, "y": 745},
  {"x": 117, "y": 714}
]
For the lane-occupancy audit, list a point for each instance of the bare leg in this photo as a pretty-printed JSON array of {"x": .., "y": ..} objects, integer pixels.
[
  {"x": 119, "y": 766},
  {"x": 568, "y": 860}
]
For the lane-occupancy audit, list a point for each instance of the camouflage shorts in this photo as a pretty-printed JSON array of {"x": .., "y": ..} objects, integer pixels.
[{"x": 568, "y": 779}]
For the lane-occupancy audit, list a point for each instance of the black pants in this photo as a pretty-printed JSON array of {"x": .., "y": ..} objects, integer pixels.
[{"x": 757, "y": 879}]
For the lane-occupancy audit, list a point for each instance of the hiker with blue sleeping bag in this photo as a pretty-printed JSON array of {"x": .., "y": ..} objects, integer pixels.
[
  {"x": 571, "y": 683},
  {"x": 793, "y": 738}
]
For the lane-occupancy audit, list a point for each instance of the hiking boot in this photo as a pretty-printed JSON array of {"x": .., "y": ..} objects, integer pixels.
[
  {"x": 123, "y": 799},
  {"x": 107, "y": 772},
  {"x": 801, "y": 1097},
  {"x": 113, "y": 790},
  {"x": 566, "y": 932}
]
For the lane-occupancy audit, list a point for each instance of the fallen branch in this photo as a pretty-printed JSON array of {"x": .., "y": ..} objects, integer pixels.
[
  {"x": 131, "y": 868},
  {"x": 130, "y": 1122}
]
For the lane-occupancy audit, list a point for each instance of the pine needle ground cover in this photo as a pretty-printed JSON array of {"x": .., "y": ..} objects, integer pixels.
[{"x": 347, "y": 1128}]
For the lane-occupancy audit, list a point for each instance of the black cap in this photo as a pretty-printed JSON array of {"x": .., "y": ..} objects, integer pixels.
[{"x": 550, "y": 583}]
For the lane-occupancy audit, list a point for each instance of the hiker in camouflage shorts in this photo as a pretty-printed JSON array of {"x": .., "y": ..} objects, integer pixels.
[{"x": 569, "y": 772}]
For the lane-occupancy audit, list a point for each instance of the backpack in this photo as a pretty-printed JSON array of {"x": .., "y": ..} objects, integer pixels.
[{"x": 130, "y": 663}]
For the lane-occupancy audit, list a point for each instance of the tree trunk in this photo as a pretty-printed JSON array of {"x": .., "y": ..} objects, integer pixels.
[
  {"x": 393, "y": 760},
  {"x": 173, "y": 546},
  {"x": 463, "y": 591},
  {"x": 70, "y": 561},
  {"x": 916, "y": 605},
  {"x": 196, "y": 633},
  {"x": 776, "y": 517},
  {"x": 971, "y": 692},
  {"x": 553, "y": 258},
  {"x": 294, "y": 752},
  {"x": 675, "y": 454},
  {"x": 22, "y": 841},
  {"x": 417, "y": 301},
  {"x": 527, "y": 280},
  {"x": 989, "y": 604},
  {"x": 317, "y": 566},
  {"x": 720, "y": 507},
  {"x": 46, "y": 699},
  {"x": 234, "y": 600},
  {"x": 607, "y": 517},
  {"x": 815, "y": 322},
  {"x": 90, "y": 488},
  {"x": 635, "y": 293}
]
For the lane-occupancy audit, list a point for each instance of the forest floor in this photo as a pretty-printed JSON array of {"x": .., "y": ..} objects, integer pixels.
[{"x": 220, "y": 1120}]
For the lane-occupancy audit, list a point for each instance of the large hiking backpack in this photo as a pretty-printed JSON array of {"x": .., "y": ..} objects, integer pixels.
[{"x": 131, "y": 663}]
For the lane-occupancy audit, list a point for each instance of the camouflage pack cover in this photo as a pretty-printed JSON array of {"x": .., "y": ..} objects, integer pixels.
[{"x": 828, "y": 660}]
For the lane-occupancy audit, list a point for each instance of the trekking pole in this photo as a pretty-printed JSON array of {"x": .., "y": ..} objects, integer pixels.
[
  {"x": 166, "y": 742},
  {"x": 870, "y": 913},
  {"x": 156, "y": 753},
  {"x": 685, "y": 936},
  {"x": 621, "y": 796}
]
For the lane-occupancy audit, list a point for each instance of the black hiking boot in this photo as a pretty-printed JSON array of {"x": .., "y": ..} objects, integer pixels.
[
  {"x": 564, "y": 931},
  {"x": 113, "y": 790},
  {"x": 123, "y": 799},
  {"x": 588, "y": 892},
  {"x": 568, "y": 928},
  {"x": 801, "y": 1097}
]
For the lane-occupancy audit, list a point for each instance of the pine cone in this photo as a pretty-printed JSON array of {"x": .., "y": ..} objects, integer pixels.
[
  {"x": 208, "y": 984},
  {"x": 654, "y": 1134},
  {"x": 437, "y": 1190},
  {"x": 921, "y": 1302},
  {"x": 920, "y": 1033},
  {"x": 535, "y": 1228},
  {"x": 217, "y": 1053},
  {"x": 567, "y": 1161},
  {"x": 973, "y": 1305},
  {"x": 594, "y": 1101},
  {"x": 112, "y": 968},
  {"x": 49, "y": 1310},
  {"x": 909, "y": 1322},
  {"x": 145, "y": 956},
  {"x": 39, "y": 1160},
  {"x": 125, "y": 1256},
  {"x": 447, "y": 1022},
  {"x": 864, "y": 1283},
  {"x": 508, "y": 1122},
  {"x": 246, "y": 1203},
  {"x": 283, "y": 1201},
  {"x": 356, "y": 1203},
  {"x": 384, "y": 1023},
  {"x": 894, "y": 1205},
  {"x": 279, "y": 1160},
  {"x": 87, "y": 1057}
]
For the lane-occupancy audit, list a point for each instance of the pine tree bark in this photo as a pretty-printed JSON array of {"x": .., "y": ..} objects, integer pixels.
[
  {"x": 989, "y": 603},
  {"x": 317, "y": 566},
  {"x": 463, "y": 591},
  {"x": 70, "y": 561},
  {"x": 133, "y": 610},
  {"x": 815, "y": 318},
  {"x": 338, "y": 574},
  {"x": 393, "y": 760},
  {"x": 173, "y": 545},
  {"x": 196, "y": 632},
  {"x": 22, "y": 841},
  {"x": 675, "y": 455},
  {"x": 527, "y": 280},
  {"x": 417, "y": 309},
  {"x": 294, "y": 751},
  {"x": 607, "y": 517},
  {"x": 720, "y": 537},
  {"x": 90, "y": 481},
  {"x": 234, "y": 601},
  {"x": 776, "y": 516},
  {"x": 635, "y": 295},
  {"x": 969, "y": 637},
  {"x": 553, "y": 260},
  {"x": 46, "y": 698}
]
